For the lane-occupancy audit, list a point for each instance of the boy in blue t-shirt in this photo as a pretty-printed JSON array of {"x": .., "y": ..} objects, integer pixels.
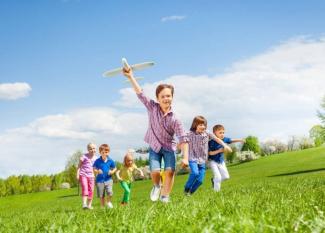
[
  {"x": 104, "y": 168},
  {"x": 216, "y": 157}
]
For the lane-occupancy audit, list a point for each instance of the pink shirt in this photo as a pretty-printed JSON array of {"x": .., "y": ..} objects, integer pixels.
[
  {"x": 162, "y": 129},
  {"x": 86, "y": 168}
]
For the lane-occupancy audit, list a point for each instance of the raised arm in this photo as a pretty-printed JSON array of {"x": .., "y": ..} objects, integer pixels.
[{"x": 129, "y": 74}]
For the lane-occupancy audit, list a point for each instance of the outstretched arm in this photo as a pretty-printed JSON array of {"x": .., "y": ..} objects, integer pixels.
[
  {"x": 140, "y": 171},
  {"x": 238, "y": 140},
  {"x": 129, "y": 74},
  {"x": 118, "y": 175}
]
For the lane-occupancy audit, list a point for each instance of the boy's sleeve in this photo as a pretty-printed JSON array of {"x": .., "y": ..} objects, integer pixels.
[
  {"x": 113, "y": 164},
  {"x": 180, "y": 132},
  {"x": 148, "y": 103},
  {"x": 227, "y": 140},
  {"x": 95, "y": 165}
]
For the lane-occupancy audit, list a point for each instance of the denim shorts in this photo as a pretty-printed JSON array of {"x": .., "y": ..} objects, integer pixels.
[{"x": 155, "y": 159}]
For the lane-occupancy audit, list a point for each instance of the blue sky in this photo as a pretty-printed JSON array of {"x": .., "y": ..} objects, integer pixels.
[{"x": 59, "y": 49}]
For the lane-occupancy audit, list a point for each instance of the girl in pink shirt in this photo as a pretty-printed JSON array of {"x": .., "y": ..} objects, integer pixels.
[{"x": 86, "y": 176}]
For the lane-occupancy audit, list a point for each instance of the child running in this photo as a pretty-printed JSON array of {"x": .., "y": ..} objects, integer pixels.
[
  {"x": 198, "y": 153},
  {"x": 85, "y": 175},
  {"x": 163, "y": 126},
  {"x": 125, "y": 176},
  {"x": 216, "y": 157},
  {"x": 104, "y": 168}
]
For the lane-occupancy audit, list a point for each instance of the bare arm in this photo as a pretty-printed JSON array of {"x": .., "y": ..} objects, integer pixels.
[
  {"x": 238, "y": 140},
  {"x": 118, "y": 175},
  {"x": 215, "y": 152},
  {"x": 218, "y": 140},
  {"x": 140, "y": 171},
  {"x": 78, "y": 170},
  {"x": 111, "y": 172},
  {"x": 184, "y": 148},
  {"x": 129, "y": 74}
]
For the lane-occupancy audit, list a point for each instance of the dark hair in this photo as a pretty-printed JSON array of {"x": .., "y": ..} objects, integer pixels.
[
  {"x": 162, "y": 87},
  {"x": 196, "y": 121},
  {"x": 104, "y": 147},
  {"x": 218, "y": 127}
]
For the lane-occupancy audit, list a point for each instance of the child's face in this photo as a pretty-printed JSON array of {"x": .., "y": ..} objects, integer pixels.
[
  {"x": 104, "y": 153},
  {"x": 92, "y": 149},
  {"x": 220, "y": 133},
  {"x": 129, "y": 162},
  {"x": 165, "y": 98},
  {"x": 200, "y": 128}
]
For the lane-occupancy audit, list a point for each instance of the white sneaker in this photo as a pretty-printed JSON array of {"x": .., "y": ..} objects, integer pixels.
[
  {"x": 90, "y": 207},
  {"x": 84, "y": 206},
  {"x": 164, "y": 199},
  {"x": 109, "y": 205},
  {"x": 155, "y": 192}
]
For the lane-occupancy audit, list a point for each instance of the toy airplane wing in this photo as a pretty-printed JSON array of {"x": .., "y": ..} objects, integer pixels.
[{"x": 117, "y": 71}]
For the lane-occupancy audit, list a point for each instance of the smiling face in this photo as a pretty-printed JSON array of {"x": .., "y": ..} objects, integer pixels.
[
  {"x": 91, "y": 149},
  {"x": 200, "y": 128},
  {"x": 165, "y": 98},
  {"x": 128, "y": 160},
  {"x": 220, "y": 133}
]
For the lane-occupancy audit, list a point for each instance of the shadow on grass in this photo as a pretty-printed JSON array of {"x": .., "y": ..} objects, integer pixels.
[
  {"x": 70, "y": 195},
  {"x": 298, "y": 172}
]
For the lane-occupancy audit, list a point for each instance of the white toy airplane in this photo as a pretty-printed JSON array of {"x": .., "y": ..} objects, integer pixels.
[{"x": 126, "y": 65}]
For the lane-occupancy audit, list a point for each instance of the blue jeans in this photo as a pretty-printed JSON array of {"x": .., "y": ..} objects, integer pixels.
[
  {"x": 155, "y": 159},
  {"x": 196, "y": 176}
]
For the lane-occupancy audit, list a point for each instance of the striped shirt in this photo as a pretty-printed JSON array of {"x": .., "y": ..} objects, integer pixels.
[
  {"x": 86, "y": 168},
  {"x": 198, "y": 146},
  {"x": 162, "y": 128}
]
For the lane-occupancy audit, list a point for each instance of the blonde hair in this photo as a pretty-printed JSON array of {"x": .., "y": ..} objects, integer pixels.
[
  {"x": 90, "y": 144},
  {"x": 127, "y": 156}
]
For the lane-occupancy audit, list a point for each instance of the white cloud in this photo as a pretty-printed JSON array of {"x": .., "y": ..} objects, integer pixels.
[
  {"x": 172, "y": 18},
  {"x": 13, "y": 91},
  {"x": 271, "y": 95}
]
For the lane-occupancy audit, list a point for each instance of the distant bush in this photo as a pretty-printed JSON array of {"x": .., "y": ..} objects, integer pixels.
[{"x": 245, "y": 156}]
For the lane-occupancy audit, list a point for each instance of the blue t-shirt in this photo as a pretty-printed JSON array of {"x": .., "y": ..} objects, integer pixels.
[
  {"x": 213, "y": 145},
  {"x": 105, "y": 167}
]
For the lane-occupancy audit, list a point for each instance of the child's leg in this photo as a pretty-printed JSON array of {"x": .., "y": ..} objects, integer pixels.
[
  {"x": 170, "y": 166},
  {"x": 155, "y": 161},
  {"x": 223, "y": 171},
  {"x": 126, "y": 187},
  {"x": 216, "y": 176},
  {"x": 109, "y": 191},
  {"x": 84, "y": 190},
  {"x": 199, "y": 179},
  {"x": 91, "y": 182},
  {"x": 193, "y": 175},
  {"x": 101, "y": 193}
]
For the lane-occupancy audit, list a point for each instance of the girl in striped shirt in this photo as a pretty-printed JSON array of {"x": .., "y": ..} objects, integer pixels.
[{"x": 198, "y": 153}]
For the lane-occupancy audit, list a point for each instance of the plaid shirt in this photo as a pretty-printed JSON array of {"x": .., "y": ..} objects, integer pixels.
[
  {"x": 162, "y": 128},
  {"x": 198, "y": 146}
]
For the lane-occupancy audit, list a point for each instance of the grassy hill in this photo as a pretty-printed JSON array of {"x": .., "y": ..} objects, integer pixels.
[{"x": 279, "y": 193}]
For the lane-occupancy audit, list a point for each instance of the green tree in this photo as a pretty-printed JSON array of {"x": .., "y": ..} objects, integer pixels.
[
  {"x": 3, "y": 189},
  {"x": 57, "y": 180},
  {"x": 71, "y": 166},
  {"x": 13, "y": 185},
  {"x": 252, "y": 144},
  {"x": 317, "y": 133},
  {"x": 26, "y": 185}
]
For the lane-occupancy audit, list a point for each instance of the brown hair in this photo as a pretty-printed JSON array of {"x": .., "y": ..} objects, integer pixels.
[
  {"x": 218, "y": 127},
  {"x": 104, "y": 147},
  {"x": 196, "y": 121},
  {"x": 162, "y": 87}
]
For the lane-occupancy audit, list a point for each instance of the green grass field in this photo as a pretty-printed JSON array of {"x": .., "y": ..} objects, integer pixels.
[{"x": 280, "y": 193}]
